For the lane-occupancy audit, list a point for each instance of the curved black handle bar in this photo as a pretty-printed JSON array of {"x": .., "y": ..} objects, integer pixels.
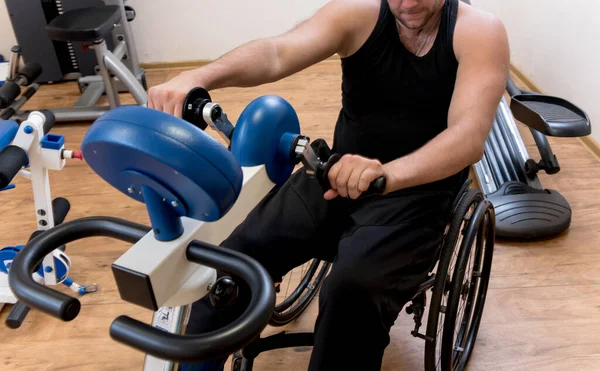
[
  {"x": 221, "y": 342},
  {"x": 161, "y": 344},
  {"x": 32, "y": 254}
]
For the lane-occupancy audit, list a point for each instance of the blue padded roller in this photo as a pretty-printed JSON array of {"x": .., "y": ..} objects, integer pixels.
[
  {"x": 258, "y": 133},
  {"x": 133, "y": 147},
  {"x": 8, "y": 131}
]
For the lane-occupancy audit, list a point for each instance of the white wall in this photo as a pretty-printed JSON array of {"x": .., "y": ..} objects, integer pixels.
[
  {"x": 7, "y": 36},
  {"x": 183, "y": 30},
  {"x": 556, "y": 43}
]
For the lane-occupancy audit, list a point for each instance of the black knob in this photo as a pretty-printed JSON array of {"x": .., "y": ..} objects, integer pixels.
[{"x": 223, "y": 293}]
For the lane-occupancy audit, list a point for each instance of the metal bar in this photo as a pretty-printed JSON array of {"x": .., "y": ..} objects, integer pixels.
[
  {"x": 495, "y": 170},
  {"x": 91, "y": 95},
  {"x": 119, "y": 50},
  {"x": 133, "y": 57},
  {"x": 15, "y": 56},
  {"x": 499, "y": 158},
  {"x": 505, "y": 153},
  {"x": 484, "y": 176},
  {"x": 515, "y": 136},
  {"x": 109, "y": 88},
  {"x": 511, "y": 148},
  {"x": 90, "y": 79},
  {"x": 125, "y": 75}
]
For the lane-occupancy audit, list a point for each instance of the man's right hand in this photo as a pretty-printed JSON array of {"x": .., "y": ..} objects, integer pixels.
[{"x": 168, "y": 97}]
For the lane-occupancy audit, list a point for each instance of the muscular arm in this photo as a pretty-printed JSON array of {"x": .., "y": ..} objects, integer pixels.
[
  {"x": 336, "y": 28},
  {"x": 482, "y": 50}
]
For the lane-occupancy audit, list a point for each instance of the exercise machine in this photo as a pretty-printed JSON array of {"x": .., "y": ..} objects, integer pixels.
[
  {"x": 75, "y": 29},
  {"x": 30, "y": 151},
  {"x": 196, "y": 191},
  {"x": 509, "y": 176}
]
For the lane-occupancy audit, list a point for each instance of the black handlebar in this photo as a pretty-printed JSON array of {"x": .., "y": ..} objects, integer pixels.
[
  {"x": 32, "y": 254},
  {"x": 141, "y": 336},
  {"x": 50, "y": 120},
  {"x": 12, "y": 159},
  {"x": 216, "y": 344}
]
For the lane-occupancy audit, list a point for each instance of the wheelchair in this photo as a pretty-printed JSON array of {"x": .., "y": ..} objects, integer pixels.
[{"x": 458, "y": 281}]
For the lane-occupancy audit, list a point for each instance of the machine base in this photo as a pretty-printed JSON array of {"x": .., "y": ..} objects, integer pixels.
[{"x": 524, "y": 212}]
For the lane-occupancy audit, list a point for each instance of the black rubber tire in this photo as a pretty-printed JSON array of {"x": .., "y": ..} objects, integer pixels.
[
  {"x": 449, "y": 255},
  {"x": 459, "y": 350},
  {"x": 288, "y": 310}
]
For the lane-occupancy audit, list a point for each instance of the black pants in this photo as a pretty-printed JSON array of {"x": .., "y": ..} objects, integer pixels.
[{"x": 381, "y": 248}]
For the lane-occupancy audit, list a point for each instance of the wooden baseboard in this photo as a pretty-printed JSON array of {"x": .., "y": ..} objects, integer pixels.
[
  {"x": 531, "y": 86},
  {"x": 588, "y": 142}
]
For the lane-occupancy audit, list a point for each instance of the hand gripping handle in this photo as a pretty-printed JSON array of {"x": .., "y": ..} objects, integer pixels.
[
  {"x": 221, "y": 342},
  {"x": 376, "y": 187}
]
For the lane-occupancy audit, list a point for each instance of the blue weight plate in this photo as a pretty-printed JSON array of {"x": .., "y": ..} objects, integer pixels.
[
  {"x": 132, "y": 146},
  {"x": 258, "y": 133}
]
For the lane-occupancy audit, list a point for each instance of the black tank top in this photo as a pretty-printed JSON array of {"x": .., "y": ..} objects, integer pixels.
[{"x": 394, "y": 102}]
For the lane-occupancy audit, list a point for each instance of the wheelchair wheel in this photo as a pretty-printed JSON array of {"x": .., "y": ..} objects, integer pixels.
[
  {"x": 461, "y": 285},
  {"x": 288, "y": 310}
]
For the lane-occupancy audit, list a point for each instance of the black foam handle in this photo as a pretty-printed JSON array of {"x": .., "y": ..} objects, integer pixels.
[
  {"x": 218, "y": 343},
  {"x": 31, "y": 71},
  {"x": 17, "y": 315},
  {"x": 8, "y": 93},
  {"x": 12, "y": 159},
  {"x": 60, "y": 207},
  {"x": 50, "y": 120},
  {"x": 43, "y": 298}
]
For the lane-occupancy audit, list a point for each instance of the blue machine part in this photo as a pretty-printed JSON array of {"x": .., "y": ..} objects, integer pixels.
[
  {"x": 8, "y": 253},
  {"x": 8, "y": 131},
  {"x": 258, "y": 134},
  {"x": 52, "y": 141},
  {"x": 131, "y": 147}
]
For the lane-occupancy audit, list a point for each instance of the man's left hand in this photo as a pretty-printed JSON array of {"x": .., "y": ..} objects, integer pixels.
[{"x": 352, "y": 175}]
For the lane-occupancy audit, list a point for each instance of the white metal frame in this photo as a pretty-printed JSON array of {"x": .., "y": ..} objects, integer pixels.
[{"x": 41, "y": 160}]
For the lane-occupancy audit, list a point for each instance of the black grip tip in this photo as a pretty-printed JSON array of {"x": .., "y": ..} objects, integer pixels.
[
  {"x": 60, "y": 207},
  {"x": 17, "y": 315},
  {"x": 70, "y": 309},
  {"x": 50, "y": 120},
  {"x": 12, "y": 159},
  {"x": 31, "y": 71},
  {"x": 8, "y": 93},
  {"x": 378, "y": 185}
]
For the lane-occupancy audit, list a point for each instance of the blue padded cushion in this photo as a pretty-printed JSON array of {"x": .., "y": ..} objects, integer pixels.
[
  {"x": 174, "y": 155},
  {"x": 258, "y": 133},
  {"x": 8, "y": 131}
]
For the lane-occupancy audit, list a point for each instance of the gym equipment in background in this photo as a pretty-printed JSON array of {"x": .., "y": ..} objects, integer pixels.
[
  {"x": 11, "y": 98},
  {"x": 196, "y": 192},
  {"x": 30, "y": 145},
  {"x": 507, "y": 174},
  {"x": 74, "y": 39}
]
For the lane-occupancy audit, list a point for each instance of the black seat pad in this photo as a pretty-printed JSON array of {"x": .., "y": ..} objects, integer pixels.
[{"x": 84, "y": 24}]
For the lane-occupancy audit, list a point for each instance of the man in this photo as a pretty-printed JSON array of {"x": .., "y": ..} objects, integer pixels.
[{"x": 421, "y": 83}]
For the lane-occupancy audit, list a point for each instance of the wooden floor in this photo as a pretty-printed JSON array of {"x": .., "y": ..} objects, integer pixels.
[{"x": 543, "y": 305}]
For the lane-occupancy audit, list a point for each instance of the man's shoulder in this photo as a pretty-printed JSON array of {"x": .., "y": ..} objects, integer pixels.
[
  {"x": 476, "y": 28},
  {"x": 358, "y": 18}
]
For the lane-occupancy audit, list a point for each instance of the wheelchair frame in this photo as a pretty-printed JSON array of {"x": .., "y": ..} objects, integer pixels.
[{"x": 473, "y": 221}]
